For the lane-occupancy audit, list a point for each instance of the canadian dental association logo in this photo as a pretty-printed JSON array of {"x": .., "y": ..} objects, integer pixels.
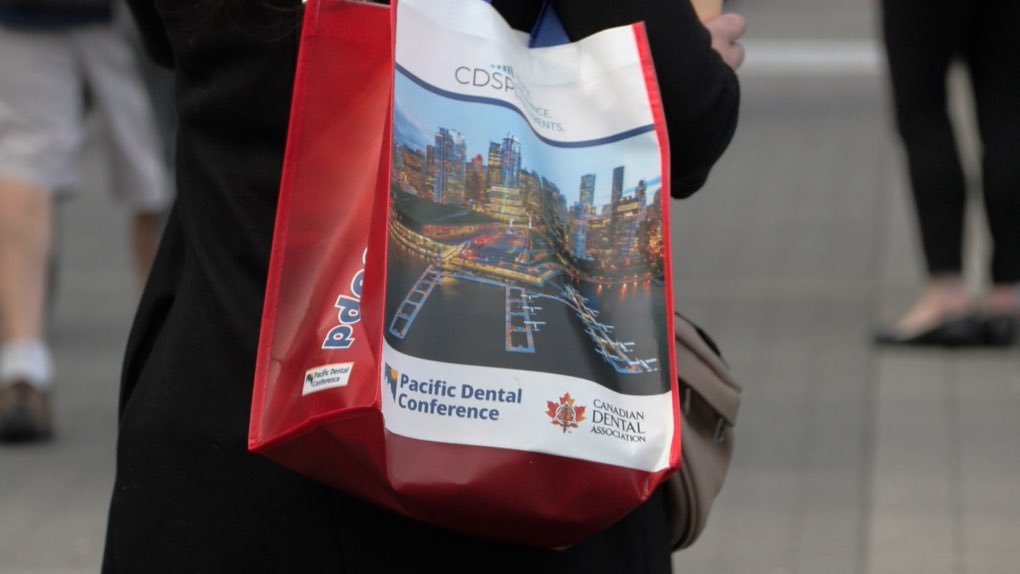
[
  {"x": 619, "y": 422},
  {"x": 565, "y": 414}
]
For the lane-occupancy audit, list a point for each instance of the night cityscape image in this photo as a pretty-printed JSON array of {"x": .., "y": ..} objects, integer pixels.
[{"x": 506, "y": 250}]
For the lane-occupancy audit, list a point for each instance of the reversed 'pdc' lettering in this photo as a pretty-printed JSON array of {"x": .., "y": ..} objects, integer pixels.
[{"x": 348, "y": 313}]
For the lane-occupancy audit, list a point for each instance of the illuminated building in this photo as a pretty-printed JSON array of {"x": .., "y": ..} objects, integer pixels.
[
  {"x": 408, "y": 169},
  {"x": 449, "y": 167},
  {"x": 617, "y": 195},
  {"x": 627, "y": 215},
  {"x": 429, "y": 173},
  {"x": 510, "y": 161},
  {"x": 494, "y": 174},
  {"x": 577, "y": 230},
  {"x": 505, "y": 204},
  {"x": 587, "y": 190},
  {"x": 474, "y": 181}
]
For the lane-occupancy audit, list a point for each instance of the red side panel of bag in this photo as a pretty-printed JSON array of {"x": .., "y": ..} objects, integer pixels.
[
  {"x": 655, "y": 97},
  {"x": 339, "y": 111}
]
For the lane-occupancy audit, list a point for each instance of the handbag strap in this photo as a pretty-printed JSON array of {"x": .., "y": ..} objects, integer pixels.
[{"x": 548, "y": 29}]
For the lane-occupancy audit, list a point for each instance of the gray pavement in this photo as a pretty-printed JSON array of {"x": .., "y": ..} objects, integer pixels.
[{"x": 848, "y": 459}]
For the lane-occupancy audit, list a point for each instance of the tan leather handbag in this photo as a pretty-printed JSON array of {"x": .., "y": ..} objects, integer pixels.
[{"x": 710, "y": 399}]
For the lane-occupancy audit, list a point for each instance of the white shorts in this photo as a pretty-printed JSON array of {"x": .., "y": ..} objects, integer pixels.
[{"x": 43, "y": 76}]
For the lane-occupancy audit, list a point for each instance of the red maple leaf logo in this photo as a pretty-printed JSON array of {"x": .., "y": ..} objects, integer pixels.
[{"x": 565, "y": 413}]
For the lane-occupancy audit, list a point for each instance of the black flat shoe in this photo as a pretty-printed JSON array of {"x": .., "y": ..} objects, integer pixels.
[
  {"x": 965, "y": 331},
  {"x": 1000, "y": 329}
]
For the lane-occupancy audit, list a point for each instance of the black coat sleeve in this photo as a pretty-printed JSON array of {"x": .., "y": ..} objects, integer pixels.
[
  {"x": 700, "y": 93},
  {"x": 154, "y": 35}
]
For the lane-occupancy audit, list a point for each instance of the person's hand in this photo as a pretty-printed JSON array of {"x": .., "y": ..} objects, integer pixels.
[
  {"x": 726, "y": 29},
  {"x": 707, "y": 9}
]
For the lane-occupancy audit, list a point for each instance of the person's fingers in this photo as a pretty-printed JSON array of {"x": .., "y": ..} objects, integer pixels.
[
  {"x": 725, "y": 29},
  {"x": 735, "y": 57},
  {"x": 732, "y": 55},
  {"x": 730, "y": 26}
]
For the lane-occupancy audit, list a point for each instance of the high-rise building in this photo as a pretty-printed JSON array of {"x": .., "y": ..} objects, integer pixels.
[
  {"x": 450, "y": 152},
  {"x": 654, "y": 222},
  {"x": 505, "y": 203},
  {"x": 627, "y": 215},
  {"x": 474, "y": 181},
  {"x": 616, "y": 197},
  {"x": 587, "y": 189},
  {"x": 577, "y": 234},
  {"x": 410, "y": 170},
  {"x": 531, "y": 184},
  {"x": 429, "y": 173},
  {"x": 510, "y": 161},
  {"x": 617, "y": 185},
  {"x": 596, "y": 243},
  {"x": 556, "y": 200},
  {"x": 494, "y": 175},
  {"x": 650, "y": 231}
]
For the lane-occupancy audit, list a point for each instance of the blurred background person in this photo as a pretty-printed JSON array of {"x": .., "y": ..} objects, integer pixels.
[
  {"x": 56, "y": 57},
  {"x": 922, "y": 39},
  {"x": 159, "y": 84}
]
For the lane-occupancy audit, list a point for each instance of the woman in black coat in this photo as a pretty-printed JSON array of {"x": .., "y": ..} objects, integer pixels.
[{"x": 188, "y": 496}]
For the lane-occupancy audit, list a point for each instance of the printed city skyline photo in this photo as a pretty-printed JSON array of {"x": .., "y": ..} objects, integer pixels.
[
  {"x": 564, "y": 167},
  {"x": 519, "y": 247},
  {"x": 597, "y": 205}
]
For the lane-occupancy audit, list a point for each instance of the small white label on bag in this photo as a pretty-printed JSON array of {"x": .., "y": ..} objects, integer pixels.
[{"x": 327, "y": 377}]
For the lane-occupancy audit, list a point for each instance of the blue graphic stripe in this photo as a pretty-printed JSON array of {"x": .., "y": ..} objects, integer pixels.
[{"x": 497, "y": 102}]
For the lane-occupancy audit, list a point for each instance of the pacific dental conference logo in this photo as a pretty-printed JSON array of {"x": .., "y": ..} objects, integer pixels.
[
  {"x": 565, "y": 414},
  {"x": 392, "y": 376}
]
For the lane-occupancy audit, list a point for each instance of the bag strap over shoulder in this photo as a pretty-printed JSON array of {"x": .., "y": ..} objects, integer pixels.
[{"x": 548, "y": 29}]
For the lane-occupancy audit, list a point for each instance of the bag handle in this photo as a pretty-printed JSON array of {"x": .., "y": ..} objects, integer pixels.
[{"x": 548, "y": 29}]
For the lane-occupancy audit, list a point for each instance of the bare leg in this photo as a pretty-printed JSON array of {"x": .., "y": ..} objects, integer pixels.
[
  {"x": 26, "y": 222},
  {"x": 25, "y": 237}
]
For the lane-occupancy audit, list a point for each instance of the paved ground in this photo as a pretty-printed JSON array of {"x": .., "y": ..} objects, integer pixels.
[{"x": 849, "y": 460}]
